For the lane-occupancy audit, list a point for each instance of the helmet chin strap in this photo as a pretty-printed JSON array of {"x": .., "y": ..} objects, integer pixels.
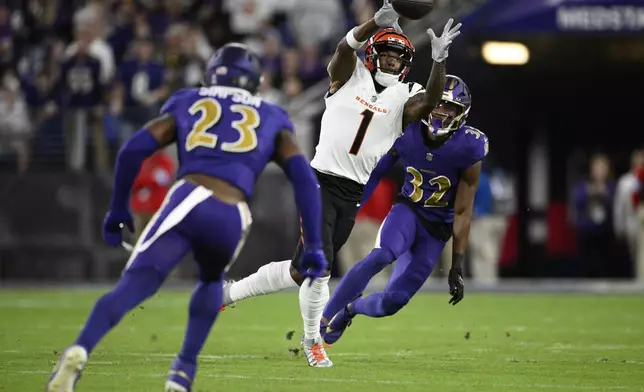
[{"x": 385, "y": 79}]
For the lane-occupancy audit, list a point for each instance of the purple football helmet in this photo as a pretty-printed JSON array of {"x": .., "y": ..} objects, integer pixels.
[
  {"x": 234, "y": 65},
  {"x": 453, "y": 109}
]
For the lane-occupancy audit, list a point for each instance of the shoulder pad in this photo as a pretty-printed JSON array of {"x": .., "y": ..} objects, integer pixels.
[
  {"x": 280, "y": 116},
  {"x": 477, "y": 134},
  {"x": 478, "y": 142},
  {"x": 170, "y": 103}
]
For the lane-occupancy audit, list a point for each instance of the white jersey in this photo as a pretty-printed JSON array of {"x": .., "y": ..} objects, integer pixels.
[{"x": 359, "y": 125}]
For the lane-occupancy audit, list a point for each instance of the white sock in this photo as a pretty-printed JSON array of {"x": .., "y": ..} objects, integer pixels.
[
  {"x": 270, "y": 278},
  {"x": 312, "y": 302}
]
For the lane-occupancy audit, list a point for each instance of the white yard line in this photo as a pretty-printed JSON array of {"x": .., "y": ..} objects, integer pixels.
[
  {"x": 231, "y": 356},
  {"x": 353, "y": 381},
  {"x": 224, "y": 326}
]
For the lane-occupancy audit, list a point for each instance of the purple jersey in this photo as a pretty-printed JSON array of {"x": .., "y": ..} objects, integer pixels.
[
  {"x": 432, "y": 174},
  {"x": 225, "y": 132}
]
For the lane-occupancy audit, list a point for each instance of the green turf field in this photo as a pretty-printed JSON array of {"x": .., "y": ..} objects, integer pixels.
[{"x": 491, "y": 343}]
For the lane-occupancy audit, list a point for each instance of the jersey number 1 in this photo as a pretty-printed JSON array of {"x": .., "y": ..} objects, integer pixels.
[{"x": 367, "y": 116}]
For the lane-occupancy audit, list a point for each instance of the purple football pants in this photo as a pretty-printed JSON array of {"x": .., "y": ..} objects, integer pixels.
[{"x": 402, "y": 237}]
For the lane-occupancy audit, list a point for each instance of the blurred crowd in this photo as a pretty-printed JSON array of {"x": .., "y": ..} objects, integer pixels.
[
  {"x": 77, "y": 77},
  {"x": 607, "y": 214}
]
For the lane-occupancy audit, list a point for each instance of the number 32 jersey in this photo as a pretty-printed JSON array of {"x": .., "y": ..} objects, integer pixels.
[
  {"x": 359, "y": 125},
  {"x": 225, "y": 132},
  {"x": 433, "y": 174}
]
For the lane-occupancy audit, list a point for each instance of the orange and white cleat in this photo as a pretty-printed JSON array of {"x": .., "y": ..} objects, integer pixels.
[{"x": 315, "y": 352}]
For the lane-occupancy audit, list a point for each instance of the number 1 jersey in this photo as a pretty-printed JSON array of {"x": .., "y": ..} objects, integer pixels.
[
  {"x": 359, "y": 125},
  {"x": 225, "y": 132}
]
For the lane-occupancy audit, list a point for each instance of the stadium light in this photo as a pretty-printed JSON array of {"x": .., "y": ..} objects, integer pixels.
[{"x": 505, "y": 53}]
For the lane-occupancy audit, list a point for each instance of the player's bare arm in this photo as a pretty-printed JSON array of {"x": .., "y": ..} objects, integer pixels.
[
  {"x": 464, "y": 207},
  {"x": 344, "y": 59},
  {"x": 463, "y": 210},
  {"x": 420, "y": 105},
  {"x": 285, "y": 148},
  {"x": 163, "y": 129},
  {"x": 145, "y": 142},
  {"x": 154, "y": 135}
]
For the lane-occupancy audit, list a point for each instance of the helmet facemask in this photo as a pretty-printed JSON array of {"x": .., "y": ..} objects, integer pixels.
[
  {"x": 447, "y": 117},
  {"x": 380, "y": 53},
  {"x": 452, "y": 111}
]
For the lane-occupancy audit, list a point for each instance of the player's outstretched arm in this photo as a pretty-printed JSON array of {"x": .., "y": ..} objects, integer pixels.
[
  {"x": 421, "y": 105},
  {"x": 309, "y": 201},
  {"x": 155, "y": 134},
  {"x": 382, "y": 168},
  {"x": 463, "y": 210},
  {"x": 343, "y": 61}
]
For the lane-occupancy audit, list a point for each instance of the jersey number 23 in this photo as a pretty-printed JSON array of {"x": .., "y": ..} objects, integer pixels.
[{"x": 210, "y": 111}]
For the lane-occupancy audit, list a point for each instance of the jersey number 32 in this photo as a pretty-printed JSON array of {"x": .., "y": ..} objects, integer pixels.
[
  {"x": 436, "y": 198},
  {"x": 211, "y": 112}
]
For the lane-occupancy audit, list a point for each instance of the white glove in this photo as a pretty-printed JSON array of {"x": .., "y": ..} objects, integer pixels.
[
  {"x": 440, "y": 45},
  {"x": 386, "y": 16}
]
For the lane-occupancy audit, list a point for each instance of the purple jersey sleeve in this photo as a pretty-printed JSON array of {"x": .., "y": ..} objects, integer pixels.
[
  {"x": 170, "y": 105},
  {"x": 398, "y": 145},
  {"x": 477, "y": 146},
  {"x": 282, "y": 119},
  {"x": 402, "y": 141}
]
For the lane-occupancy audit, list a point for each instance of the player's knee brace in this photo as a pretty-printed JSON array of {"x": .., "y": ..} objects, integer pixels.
[{"x": 392, "y": 302}]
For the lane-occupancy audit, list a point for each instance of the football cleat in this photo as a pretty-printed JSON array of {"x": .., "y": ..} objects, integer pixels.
[
  {"x": 68, "y": 370},
  {"x": 338, "y": 325},
  {"x": 315, "y": 353},
  {"x": 227, "y": 302},
  {"x": 180, "y": 376}
]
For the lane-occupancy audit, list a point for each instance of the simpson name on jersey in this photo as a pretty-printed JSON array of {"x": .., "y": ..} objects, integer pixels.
[{"x": 360, "y": 125}]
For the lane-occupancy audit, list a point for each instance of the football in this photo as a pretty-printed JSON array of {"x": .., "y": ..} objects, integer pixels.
[{"x": 413, "y": 9}]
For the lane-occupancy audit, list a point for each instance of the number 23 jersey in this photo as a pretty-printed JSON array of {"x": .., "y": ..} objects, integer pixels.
[
  {"x": 433, "y": 174},
  {"x": 225, "y": 132},
  {"x": 359, "y": 125}
]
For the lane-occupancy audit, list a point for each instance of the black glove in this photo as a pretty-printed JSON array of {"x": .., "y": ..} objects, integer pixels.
[
  {"x": 455, "y": 279},
  {"x": 456, "y": 285}
]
